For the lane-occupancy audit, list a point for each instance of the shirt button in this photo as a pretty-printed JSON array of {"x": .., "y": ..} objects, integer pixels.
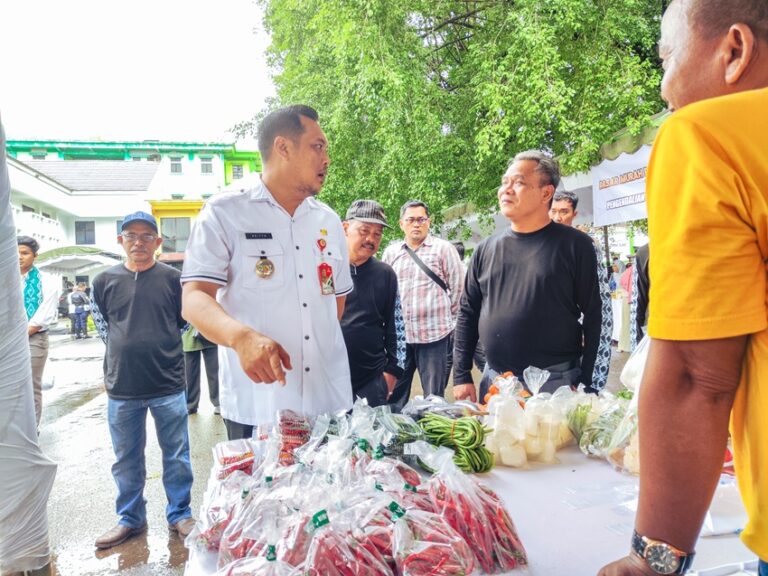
[
  {"x": 297, "y": 247},
  {"x": 306, "y": 369},
  {"x": 306, "y": 337},
  {"x": 304, "y": 304},
  {"x": 301, "y": 275}
]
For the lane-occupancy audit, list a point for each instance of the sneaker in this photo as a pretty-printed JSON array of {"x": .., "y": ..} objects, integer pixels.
[
  {"x": 117, "y": 535},
  {"x": 183, "y": 527}
]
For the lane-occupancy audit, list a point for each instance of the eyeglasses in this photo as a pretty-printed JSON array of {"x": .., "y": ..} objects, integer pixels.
[
  {"x": 420, "y": 220},
  {"x": 132, "y": 237}
]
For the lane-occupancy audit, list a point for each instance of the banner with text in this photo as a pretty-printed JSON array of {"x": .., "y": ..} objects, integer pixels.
[{"x": 618, "y": 188}]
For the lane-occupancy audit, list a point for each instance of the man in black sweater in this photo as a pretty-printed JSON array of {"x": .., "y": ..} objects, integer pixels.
[
  {"x": 368, "y": 323},
  {"x": 526, "y": 288}
]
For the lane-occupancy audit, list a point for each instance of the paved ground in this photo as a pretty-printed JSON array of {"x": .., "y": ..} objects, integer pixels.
[{"x": 74, "y": 433}]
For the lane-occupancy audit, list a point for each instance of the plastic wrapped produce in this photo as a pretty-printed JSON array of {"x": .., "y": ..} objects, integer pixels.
[
  {"x": 473, "y": 511},
  {"x": 216, "y": 511},
  {"x": 542, "y": 419},
  {"x": 425, "y": 545},
  {"x": 596, "y": 437},
  {"x": 231, "y": 456}
]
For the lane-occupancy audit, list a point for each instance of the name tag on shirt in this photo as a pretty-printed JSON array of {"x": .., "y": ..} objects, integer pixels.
[{"x": 258, "y": 235}]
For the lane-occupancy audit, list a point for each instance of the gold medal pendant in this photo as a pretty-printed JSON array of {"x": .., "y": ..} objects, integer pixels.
[{"x": 264, "y": 268}]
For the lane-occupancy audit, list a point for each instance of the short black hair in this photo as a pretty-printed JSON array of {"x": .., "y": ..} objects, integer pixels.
[
  {"x": 29, "y": 242},
  {"x": 567, "y": 195},
  {"x": 413, "y": 204},
  {"x": 282, "y": 122},
  {"x": 715, "y": 17},
  {"x": 459, "y": 245}
]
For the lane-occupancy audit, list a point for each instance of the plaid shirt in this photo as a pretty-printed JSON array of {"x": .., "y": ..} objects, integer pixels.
[{"x": 429, "y": 312}]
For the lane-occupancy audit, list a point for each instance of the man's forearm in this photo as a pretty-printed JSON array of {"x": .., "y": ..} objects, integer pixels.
[{"x": 685, "y": 404}]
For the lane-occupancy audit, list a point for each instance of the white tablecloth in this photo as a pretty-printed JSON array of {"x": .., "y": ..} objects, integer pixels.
[{"x": 572, "y": 518}]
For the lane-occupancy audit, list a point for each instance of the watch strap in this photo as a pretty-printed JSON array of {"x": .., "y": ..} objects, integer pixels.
[{"x": 639, "y": 545}]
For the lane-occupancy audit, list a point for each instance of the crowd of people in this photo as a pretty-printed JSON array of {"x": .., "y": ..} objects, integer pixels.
[{"x": 302, "y": 315}]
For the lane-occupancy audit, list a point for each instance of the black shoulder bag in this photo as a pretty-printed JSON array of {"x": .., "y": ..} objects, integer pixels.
[{"x": 426, "y": 269}]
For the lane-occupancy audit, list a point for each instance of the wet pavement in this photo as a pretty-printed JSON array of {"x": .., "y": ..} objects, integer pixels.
[{"x": 74, "y": 433}]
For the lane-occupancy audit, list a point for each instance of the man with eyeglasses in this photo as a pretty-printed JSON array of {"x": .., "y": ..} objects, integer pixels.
[
  {"x": 368, "y": 322},
  {"x": 430, "y": 278},
  {"x": 137, "y": 308}
]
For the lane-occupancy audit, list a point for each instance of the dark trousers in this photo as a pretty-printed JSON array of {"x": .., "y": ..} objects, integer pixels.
[
  {"x": 374, "y": 390},
  {"x": 762, "y": 568},
  {"x": 236, "y": 431},
  {"x": 433, "y": 361},
  {"x": 192, "y": 370}
]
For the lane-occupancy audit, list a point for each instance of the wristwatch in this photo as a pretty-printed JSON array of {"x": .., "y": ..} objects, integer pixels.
[{"x": 661, "y": 557}]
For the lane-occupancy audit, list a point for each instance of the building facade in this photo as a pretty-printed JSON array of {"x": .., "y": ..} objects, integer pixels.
[{"x": 71, "y": 196}]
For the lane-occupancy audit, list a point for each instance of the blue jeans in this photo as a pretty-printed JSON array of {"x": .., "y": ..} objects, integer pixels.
[
  {"x": 762, "y": 569},
  {"x": 128, "y": 428}
]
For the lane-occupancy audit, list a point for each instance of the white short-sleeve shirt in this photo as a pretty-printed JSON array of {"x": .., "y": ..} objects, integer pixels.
[{"x": 233, "y": 233}]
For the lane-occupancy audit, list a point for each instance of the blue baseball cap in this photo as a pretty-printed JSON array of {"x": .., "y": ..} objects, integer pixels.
[{"x": 139, "y": 217}]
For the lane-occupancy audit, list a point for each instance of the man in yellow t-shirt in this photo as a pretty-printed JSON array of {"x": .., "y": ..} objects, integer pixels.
[{"x": 707, "y": 198}]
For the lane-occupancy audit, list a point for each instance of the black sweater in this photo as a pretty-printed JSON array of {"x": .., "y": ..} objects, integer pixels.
[
  {"x": 368, "y": 322},
  {"x": 524, "y": 295}
]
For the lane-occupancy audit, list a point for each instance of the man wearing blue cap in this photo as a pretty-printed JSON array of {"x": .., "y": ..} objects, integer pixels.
[{"x": 137, "y": 307}]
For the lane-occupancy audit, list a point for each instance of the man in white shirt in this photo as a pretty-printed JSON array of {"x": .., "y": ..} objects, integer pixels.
[
  {"x": 266, "y": 272},
  {"x": 41, "y": 306}
]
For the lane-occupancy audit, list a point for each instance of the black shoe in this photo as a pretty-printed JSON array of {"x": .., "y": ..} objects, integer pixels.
[{"x": 191, "y": 410}]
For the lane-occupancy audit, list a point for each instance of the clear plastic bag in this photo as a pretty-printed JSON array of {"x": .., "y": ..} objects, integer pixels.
[
  {"x": 506, "y": 419},
  {"x": 474, "y": 511},
  {"x": 425, "y": 545}
]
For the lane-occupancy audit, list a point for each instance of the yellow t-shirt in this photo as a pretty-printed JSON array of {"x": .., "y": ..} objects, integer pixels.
[{"x": 707, "y": 193}]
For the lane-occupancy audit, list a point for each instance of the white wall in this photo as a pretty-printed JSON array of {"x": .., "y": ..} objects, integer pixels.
[{"x": 191, "y": 182}]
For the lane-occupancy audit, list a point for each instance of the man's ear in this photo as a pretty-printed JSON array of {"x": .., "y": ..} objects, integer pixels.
[
  {"x": 345, "y": 223},
  {"x": 280, "y": 146},
  {"x": 738, "y": 51},
  {"x": 549, "y": 192}
]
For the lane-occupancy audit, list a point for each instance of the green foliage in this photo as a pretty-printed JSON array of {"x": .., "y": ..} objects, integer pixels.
[{"x": 429, "y": 99}]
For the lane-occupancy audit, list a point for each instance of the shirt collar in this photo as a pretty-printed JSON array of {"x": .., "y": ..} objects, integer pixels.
[{"x": 428, "y": 241}]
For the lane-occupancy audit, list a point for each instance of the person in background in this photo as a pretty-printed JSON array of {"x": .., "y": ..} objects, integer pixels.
[
  {"x": 41, "y": 299},
  {"x": 137, "y": 308},
  {"x": 430, "y": 278},
  {"x": 479, "y": 356},
  {"x": 196, "y": 345},
  {"x": 707, "y": 195},
  {"x": 563, "y": 211},
  {"x": 527, "y": 288},
  {"x": 266, "y": 275},
  {"x": 368, "y": 322},
  {"x": 641, "y": 285},
  {"x": 82, "y": 307}
]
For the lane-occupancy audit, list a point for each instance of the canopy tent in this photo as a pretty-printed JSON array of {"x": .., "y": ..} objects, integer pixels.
[
  {"x": 618, "y": 182},
  {"x": 76, "y": 260}
]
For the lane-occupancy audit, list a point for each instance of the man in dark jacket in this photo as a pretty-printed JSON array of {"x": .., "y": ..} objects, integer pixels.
[{"x": 368, "y": 323}]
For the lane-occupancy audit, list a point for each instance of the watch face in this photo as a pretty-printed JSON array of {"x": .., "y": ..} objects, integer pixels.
[{"x": 661, "y": 559}]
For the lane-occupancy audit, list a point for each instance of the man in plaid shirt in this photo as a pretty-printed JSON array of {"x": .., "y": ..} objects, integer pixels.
[{"x": 430, "y": 301}]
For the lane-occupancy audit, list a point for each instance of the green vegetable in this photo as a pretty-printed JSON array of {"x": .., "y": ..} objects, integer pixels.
[
  {"x": 625, "y": 394},
  {"x": 465, "y": 435},
  {"x": 577, "y": 419},
  {"x": 597, "y": 436}
]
